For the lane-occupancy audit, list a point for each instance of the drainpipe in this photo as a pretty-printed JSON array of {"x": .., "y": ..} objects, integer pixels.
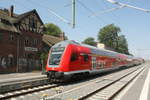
[{"x": 17, "y": 69}]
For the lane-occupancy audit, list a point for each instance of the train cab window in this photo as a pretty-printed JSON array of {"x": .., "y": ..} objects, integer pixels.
[
  {"x": 74, "y": 57},
  {"x": 55, "y": 58}
]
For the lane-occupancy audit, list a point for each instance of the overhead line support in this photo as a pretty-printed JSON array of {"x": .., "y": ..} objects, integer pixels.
[{"x": 73, "y": 13}]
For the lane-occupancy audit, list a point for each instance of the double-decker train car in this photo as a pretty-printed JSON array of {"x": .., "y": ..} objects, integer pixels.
[
  {"x": 68, "y": 58},
  {"x": 137, "y": 61}
]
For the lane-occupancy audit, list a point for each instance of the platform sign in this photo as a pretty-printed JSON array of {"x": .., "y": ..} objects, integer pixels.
[{"x": 30, "y": 49}]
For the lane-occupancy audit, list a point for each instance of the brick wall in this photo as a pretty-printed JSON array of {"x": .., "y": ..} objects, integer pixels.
[
  {"x": 8, "y": 52},
  {"x": 28, "y": 60}
]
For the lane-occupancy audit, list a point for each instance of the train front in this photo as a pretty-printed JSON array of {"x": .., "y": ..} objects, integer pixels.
[{"x": 56, "y": 63}]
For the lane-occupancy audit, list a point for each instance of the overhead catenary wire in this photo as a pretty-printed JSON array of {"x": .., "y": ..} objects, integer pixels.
[
  {"x": 89, "y": 10},
  {"x": 121, "y": 5},
  {"x": 108, "y": 10},
  {"x": 83, "y": 5},
  {"x": 105, "y": 8},
  {"x": 54, "y": 13},
  {"x": 60, "y": 17},
  {"x": 129, "y": 6}
]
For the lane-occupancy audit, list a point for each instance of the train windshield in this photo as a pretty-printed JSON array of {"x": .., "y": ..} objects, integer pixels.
[{"x": 55, "y": 56}]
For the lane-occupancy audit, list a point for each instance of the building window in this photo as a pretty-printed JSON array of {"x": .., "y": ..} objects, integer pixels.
[
  {"x": 32, "y": 22},
  {"x": 31, "y": 42},
  {"x": 25, "y": 55},
  {"x": 20, "y": 43},
  {"x": 26, "y": 41},
  {"x": 1, "y": 36},
  {"x": 10, "y": 60},
  {"x": 34, "y": 42},
  {"x": 5, "y": 21},
  {"x": 11, "y": 37}
]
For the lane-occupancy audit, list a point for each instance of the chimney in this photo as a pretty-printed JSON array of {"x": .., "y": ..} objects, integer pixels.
[
  {"x": 62, "y": 36},
  {"x": 11, "y": 11}
]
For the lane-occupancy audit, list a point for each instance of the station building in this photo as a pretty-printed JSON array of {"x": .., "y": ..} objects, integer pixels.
[{"x": 20, "y": 41}]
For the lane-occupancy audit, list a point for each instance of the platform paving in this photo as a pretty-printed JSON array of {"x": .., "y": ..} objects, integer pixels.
[
  {"x": 20, "y": 76},
  {"x": 139, "y": 89},
  {"x": 16, "y": 81}
]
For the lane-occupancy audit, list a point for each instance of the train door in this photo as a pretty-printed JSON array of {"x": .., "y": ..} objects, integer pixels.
[{"x": 93, "y": 63}]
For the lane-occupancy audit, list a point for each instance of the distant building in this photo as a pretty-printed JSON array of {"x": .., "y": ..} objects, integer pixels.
[
  {"x": 100, "y": 45},
  {"x": 50, "y": 40},
  {"x": 20, "y": 41},
  {"x": 103, "y": 46}
]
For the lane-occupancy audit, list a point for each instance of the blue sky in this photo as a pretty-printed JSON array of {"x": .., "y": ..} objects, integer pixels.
[{"x": 135, "y": 25}]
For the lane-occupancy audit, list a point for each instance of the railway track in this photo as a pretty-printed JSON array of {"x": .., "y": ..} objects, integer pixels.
[
  {"x": 102, "y": 89},
  {"x": 106, "y": 83},
  {"x": 111, "y": 90},
  {"x": 26, "y": 91},
  {"x": 21, "y": 87}
]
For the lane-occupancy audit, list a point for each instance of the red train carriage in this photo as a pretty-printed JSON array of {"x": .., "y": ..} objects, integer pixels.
[{"x": 68, "y": 58}]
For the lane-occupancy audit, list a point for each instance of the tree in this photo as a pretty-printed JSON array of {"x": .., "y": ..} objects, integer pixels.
[
  {"x": 52, "y": 29},
  {"x": 109, "y": 36},
  {"x": 122, "y": 45},
  {"x": 90, "y": 41}
]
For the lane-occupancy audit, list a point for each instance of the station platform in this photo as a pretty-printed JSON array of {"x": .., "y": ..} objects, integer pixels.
[
  {"x": 15, "y": 81},
  {"x": 20, "y": 76}
]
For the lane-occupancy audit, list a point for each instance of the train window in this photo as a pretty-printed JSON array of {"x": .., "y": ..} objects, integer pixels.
[
  {"x": 86, "y": 57},
  {"x": 74, "y": 57},
  {"x": 55, "y": 58}
]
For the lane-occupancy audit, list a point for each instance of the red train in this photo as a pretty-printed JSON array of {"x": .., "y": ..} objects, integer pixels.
[{"x": 69, "y": 58}]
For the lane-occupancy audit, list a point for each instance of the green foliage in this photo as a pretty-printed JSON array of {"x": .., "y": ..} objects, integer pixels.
[
  {"x": 109, "y": 36},
  {"x": 90, "y": 41},
  {"x": 52, "y": 29},
  {"x": 44, "y": 54},
  {"x": 122, "y": 45},
  {"x": 43, "y": 57}
]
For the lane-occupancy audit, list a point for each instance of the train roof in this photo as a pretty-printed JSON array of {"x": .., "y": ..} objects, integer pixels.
[
  {"x": 65, "y": 43},
  {"x": 94, "y": 50},
  {"x": 101, "y": 51}
]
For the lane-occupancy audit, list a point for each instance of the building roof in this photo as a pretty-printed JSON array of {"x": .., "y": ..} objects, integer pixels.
[
  {"x": 8, "y": 23},
  {"x": 8, "y": 27},
  {"x": 50, "y": 40},
  {"x": 20, "y": 17},
  {"x": 4, "y": 14}
]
